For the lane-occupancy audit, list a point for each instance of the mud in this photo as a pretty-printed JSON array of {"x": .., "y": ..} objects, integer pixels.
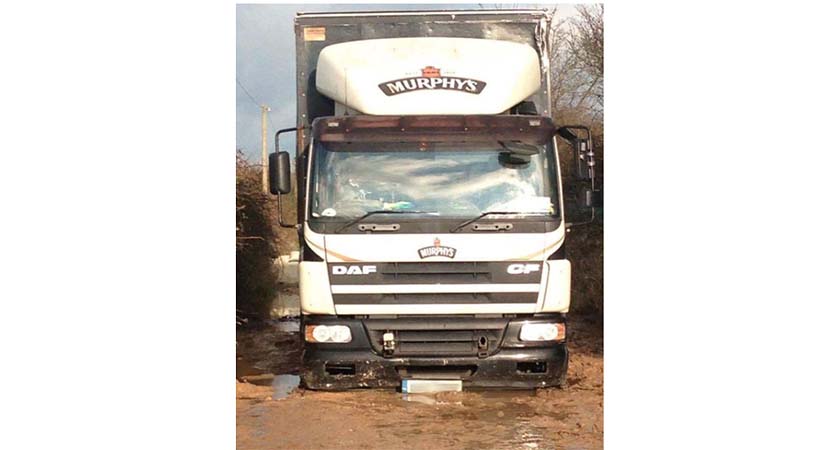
[{"x": 272, "y": 414}]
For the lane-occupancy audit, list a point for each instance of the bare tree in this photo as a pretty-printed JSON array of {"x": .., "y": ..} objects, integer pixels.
[
  {"x": 577, "y": 90},
  {"x": 577, "y": 52}
]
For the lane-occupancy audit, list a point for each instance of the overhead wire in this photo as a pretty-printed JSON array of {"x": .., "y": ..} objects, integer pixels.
[
  {"x": 248, "y": 93},
  {"x": 256, "y": 103}
]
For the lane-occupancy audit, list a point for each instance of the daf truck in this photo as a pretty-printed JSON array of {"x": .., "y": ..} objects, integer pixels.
[{"x": 430, "y": 209}]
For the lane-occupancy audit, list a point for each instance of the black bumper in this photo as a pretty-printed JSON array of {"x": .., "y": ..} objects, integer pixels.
[{"x": 512, "y": 364}]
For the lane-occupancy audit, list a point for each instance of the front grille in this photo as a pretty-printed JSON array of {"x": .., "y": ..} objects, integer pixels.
[
  {"x": 440, "y": 337},
  {"x": 450, "y": 272},
  {"x": 439, "y": 272}
]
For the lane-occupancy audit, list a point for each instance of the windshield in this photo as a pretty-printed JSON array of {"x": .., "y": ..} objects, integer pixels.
[{"x": 458, "y": 180}]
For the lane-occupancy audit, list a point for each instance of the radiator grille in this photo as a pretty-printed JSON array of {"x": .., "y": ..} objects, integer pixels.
[
  {"x": 460, "y": 272},
  {"x": 441, "y": 272}
]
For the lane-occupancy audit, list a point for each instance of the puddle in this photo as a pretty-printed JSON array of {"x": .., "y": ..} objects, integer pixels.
[
  {"x": 427, "y": 399},
  {"x": 418, "y": 398},
  {"x": 476, "y": 398},
  {"x": 288, "y": 326},
  {"x": 475, "y": 418},
  {"x": 269, "y": 347},
  {"x": 283, "y": 385},
  {"x": 509, "y": 418}
]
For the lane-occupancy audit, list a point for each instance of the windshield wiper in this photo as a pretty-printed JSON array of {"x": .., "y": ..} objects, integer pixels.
[
  {"x": 380, "y": 211},
  {"x": 488, "y": 213}
]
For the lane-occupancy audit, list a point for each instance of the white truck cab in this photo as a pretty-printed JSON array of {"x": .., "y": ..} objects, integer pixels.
[{"x": 430, "y": 203}]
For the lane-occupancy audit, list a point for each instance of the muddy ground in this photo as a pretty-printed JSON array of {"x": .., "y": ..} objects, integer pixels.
[{"x": 271, "y": 413}]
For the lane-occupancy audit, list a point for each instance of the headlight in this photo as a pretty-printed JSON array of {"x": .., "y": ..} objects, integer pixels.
[
  {"x": 328, "y": 333},
  {"x": 542, "y": 332}
]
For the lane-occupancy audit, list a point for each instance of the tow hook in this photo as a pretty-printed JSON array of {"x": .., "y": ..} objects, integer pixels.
[
  {"x": 388, "y": 343},
  {"x": 483, "y": 345}
]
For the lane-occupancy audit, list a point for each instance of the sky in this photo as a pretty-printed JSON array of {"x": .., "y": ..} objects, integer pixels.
[{"x": 265, "y": 59}]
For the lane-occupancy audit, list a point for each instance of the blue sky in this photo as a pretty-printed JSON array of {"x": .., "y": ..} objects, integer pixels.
[{"x": 265, "y": 59}]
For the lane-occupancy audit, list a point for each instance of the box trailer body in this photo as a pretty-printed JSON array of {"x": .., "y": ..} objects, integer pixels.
[{"x": 430, "y": 210}]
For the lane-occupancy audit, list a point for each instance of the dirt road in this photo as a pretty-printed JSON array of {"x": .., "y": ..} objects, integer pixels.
[{"x": 268, "y": 416}]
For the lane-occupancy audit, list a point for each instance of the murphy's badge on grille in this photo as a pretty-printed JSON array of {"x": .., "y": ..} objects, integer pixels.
[
  {"x": 436, "y": 250},
  {"x": 430, "y": 78}
]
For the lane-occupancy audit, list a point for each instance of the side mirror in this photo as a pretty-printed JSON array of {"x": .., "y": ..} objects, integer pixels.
[
  {"x": 279, "y": 173},
  {"x": 584, "y": 159},
  {"x": 584, "y": 154},
  {"x": 591, "y": 199},
  {"x": 580, "y": 138}
]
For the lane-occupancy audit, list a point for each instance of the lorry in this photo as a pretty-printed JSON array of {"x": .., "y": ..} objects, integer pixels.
[{"x": 430, "y": 211}]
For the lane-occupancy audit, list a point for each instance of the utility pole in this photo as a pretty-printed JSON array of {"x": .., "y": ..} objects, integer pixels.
[{"x": 265, "y": 110}]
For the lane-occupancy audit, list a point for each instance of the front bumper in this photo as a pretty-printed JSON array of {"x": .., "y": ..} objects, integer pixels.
[{"x": 513, "y": 364}]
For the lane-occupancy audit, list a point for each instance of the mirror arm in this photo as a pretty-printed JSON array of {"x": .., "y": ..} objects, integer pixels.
[{"x": 277, "y": 136}]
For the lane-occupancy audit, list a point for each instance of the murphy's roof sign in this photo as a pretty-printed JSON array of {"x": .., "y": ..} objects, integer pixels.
[
  {"x": 448, "y": 76},
  {"x": 430, "y": 78}
]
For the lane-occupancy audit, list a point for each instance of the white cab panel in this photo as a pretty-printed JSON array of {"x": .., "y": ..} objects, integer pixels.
[
  {"x": 557, "y": 292},
  {"x": 315, "y": 296}
]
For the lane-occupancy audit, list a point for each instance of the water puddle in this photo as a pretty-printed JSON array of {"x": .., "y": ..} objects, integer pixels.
[
  {"x": 288, "y": 326},
  {"x": 428, "y": 399},
  {"x": 268, "y": 347},
  {"x": 510, "y": 418},
  {"x": 283, "y": 385}
]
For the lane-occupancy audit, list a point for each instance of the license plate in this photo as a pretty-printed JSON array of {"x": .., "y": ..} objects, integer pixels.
[{"x": 426, "y": 386}]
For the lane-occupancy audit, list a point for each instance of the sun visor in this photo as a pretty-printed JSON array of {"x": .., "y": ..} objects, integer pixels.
[
  {"x": 413, "y": 76},
  {"x": 434, "y": 128}
]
